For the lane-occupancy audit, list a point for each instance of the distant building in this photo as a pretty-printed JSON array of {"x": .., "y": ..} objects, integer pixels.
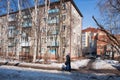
[
  {"x": 102, "y": 42},
  {"x": 104, "y": 46},
  {"x": 89, "y": 42},
  {"x": 96, "y": 41}
]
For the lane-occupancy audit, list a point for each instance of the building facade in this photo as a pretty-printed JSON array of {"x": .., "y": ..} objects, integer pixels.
[
  {"x": 33, "y": 33},
  {"x": 96, "y": 41},
  {"x": 89, "y": 41}
]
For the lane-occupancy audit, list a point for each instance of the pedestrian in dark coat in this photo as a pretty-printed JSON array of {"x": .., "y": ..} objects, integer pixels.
[{"x": 68, "y": 63}]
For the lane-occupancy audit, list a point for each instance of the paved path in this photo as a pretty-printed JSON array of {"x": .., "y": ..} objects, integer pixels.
[{"x": 18, "y": 73}]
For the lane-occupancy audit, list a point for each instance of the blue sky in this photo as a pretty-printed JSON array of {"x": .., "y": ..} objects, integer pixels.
[{"x": 88, "y": 9}]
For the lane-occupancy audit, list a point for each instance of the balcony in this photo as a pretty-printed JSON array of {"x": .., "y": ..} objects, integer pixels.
[
  {"x": 51, "y": 11},
  {"x": 52, "y": 51},
  {"x": 25, "y": 43},
  {"x": 53, "y": 21},
  {"x": 11, "y": 35},
  {"x": 52, "y": 43},
  {"x": 11, "y": 44},
  {"x": 54, "y": 32},
  {"x": 27, "y": 16},
  {"x": 10, "y": 19},
  {"x": 27, "y": 24},
  {"x": 11, "y": 32}
]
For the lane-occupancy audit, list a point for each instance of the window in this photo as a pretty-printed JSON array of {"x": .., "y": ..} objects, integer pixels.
[
  {"x": 11, "y": 42},
  {"x": 51, "y": 11},
  {"x": 27, "y": 23},
  {"x": 24, "y": 37},
  {"x": 1, "y": 41},
  {"x": 43, "y": 40},
  {"x": 51, "y": 38},
  {"x": 53, "y": 20},
  {"x": 26, "y": 16},
  {"x": 43, "y": 30},
  {"x": 26, "y": 49},
  {"x": 63, "y": 27},
  {"x": 63, "y": 17},
  {"x": 11, "y": 17},
  {"x": 11, "y": 31},
  {"x": 10, "y": 49},
  {"x": 42, "y": 50},
  {"x": 63, "y": 6}
]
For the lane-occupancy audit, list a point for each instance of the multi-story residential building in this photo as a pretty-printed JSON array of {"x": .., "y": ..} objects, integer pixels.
[
  {"x": 51, "y": 32},
  {"x": 89, "y": 42},
  {"x": 105, "y": 46},
  {"x": 101, "y": 42},
  {"x": 96, "y": 41}
]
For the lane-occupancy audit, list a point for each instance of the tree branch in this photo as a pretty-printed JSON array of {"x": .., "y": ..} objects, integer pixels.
[{"x": 109, "y": 35}]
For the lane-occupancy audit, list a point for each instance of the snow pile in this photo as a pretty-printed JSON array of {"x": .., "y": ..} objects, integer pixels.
[
  {"x": 94, "y": 64},
  {"x": 74, "y": 65},
  {"x": 58, "y": 65},
  {"x": 101, "y": 64},
  {"x": 79, "y": 63},
  {"x": 112, "y": 62},
  {"x": 97, "y": 64}
]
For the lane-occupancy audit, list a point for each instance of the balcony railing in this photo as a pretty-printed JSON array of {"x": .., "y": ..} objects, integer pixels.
[
  {"x": 11, "y": 32},
  {"x": 25, "y": 43},
  {"x": 11, "y": 35},
  {"x": 53, "y": 43},
  {"x": 55, "y": 32},
  {"x": 51, "y": 11},
  {"x": 11, "y": 44},
  {"x": 53, "y": 21},
  {"x": 25, "y": 24},
  {"x": 11, "y": 19}
]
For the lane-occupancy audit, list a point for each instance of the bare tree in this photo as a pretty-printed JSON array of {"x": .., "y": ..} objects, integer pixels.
[{"x": 110, "y": 10}]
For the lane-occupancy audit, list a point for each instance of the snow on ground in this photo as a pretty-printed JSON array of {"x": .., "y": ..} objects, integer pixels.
[
  {"x": 96, "y": 64},
  {"x": 79, "y": 63},
  {"x": 101, "y": 64},
  {"x": 19, "y": 73}
]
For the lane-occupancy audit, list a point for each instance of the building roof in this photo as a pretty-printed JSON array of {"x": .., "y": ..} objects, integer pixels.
[
  {"x": 57, "y": 2},
  {"x": 76, "y": 8},
  {"x": 90, "y": 29}
]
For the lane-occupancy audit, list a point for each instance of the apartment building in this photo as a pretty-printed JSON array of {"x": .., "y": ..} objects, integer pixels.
[
  {"x": 89, "y": 41},
  {"x": 96, "y": 41},
  {"x": 35, "y": 33},
  {"x": 104, "y": 45}
]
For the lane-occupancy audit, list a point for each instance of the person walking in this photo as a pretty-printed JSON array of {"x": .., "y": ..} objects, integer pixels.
[{"x": 68, "y": 62}]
